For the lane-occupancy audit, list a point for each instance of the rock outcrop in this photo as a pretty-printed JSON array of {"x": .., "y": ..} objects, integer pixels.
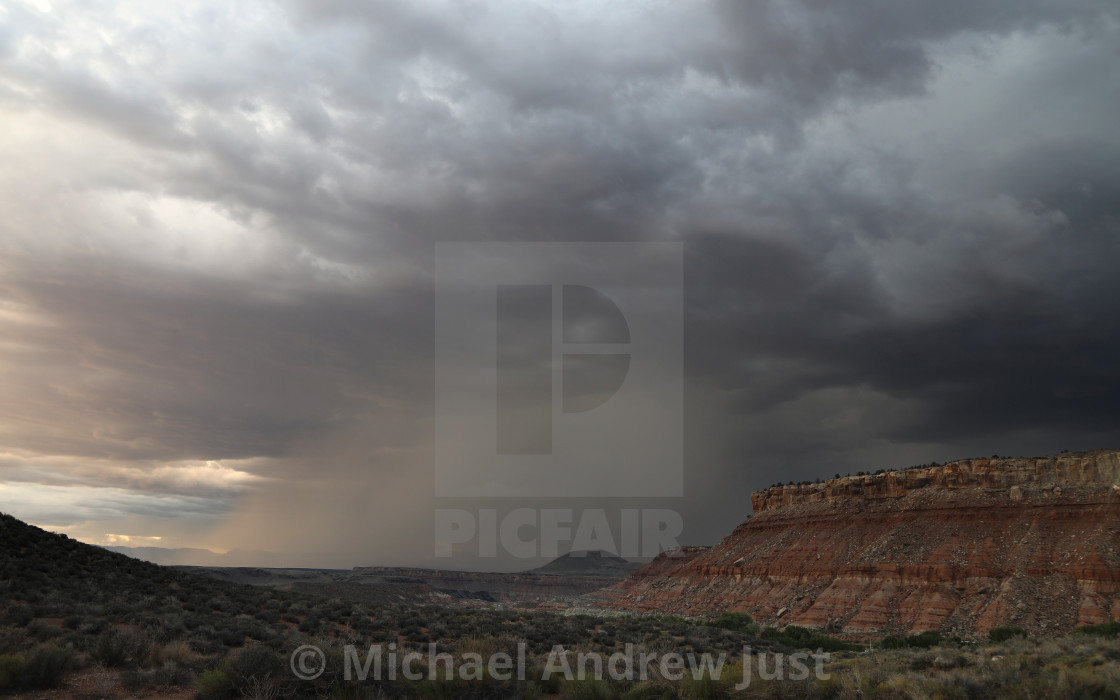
[
  {"x": 664, "y": 563},
  {"x": 960, "y": 548}
]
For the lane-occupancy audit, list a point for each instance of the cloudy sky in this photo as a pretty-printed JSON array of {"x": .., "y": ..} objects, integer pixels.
[{"x": 900, "y": 225}]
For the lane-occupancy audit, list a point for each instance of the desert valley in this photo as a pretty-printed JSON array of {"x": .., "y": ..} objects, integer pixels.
[
  {"x": 559, "y": 350},
  {"x": 976, "y": 578}
]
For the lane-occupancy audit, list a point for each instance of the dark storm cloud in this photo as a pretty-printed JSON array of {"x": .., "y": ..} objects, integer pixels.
[{"x": 218, "y": 229}]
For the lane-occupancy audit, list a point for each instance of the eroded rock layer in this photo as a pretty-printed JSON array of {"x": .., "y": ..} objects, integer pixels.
[{"x": 959, "y": 548}]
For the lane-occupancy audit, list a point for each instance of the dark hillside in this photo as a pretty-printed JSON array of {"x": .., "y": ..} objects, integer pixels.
[
  {"x": 81, "y": 617},
  {"x": 67, "y": 606},
  {"x": 43, "y": 567},
  {"x": 56, "y": 576}
]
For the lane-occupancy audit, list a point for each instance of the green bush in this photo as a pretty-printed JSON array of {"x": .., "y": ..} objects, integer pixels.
[
  {"x": 117, "y": 648},
  {"x": 41, "y": 631},
  {"x": 649, "y": 691},
  {"x": 44, "y": 666},
  {"x": 802, "y": 638},
  {"x": 11, "y": 668},
  {"x": 1108, "y": 629},
  {"x": 19, "y": 615},
  {"x": 254, "y": 662},
  {"x": 170, "y": 674},
  {"x": 924, "y": 640},
  {"x": 735, "y": 621},
  {"x": 1002, "y": 634},
  {"x": 587, "y": 689},
  {"x": 214, "y": 684},
  {"x": 892, "y": 642},
  {"x": 705, "y": 687}
]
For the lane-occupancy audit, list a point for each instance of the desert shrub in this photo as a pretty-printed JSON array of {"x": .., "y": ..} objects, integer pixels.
[
  {"x": 439, "y": 631},
  {"x": 298, "y": 608},
  {"x": 19, "y": 615},
  {"x": 11, "y": 668},
  {"x": 178, "y": 652},
  {"x": 706, "y": 687},
  {"x": 1082, "y": 684},
  {"x": 231, "y": 637},
  {"x": 214, "y": 684},
  {"x": 269, "y": 689},
  {"x": 12, "y": 640},
  {"x": 648, "y": 691},
  {"x": 41, "y": 631},
  {"x": 116, "y": 648},
  {"x": 900, "y": 687},
  {"x": 44, "y": 666},
  {"x": 1108, "y": 629},
  {"x": 587, "y": 689},
  {"x": 892, "y": 642},
  {"x": 167, "y": 675},
  {"x": 254, "y": 662},
  {"x": 803, "y": 638},
  {"x": 735, "y": 621},
  {"x": 205, "y": 645},
  {"x": 268, "y": 615},
  {"x": 418, "y": 637},
  {"x": 922, "y": 660},
  {"x": 92, "y": 627},
  {"x": 1002, "y": 634},
  {"x": 924, "y": 640},
  {"x": 171, "y": 627},
  {"x": 275, "y": 640}
]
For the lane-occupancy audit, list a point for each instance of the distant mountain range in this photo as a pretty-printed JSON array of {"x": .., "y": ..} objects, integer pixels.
[
  {"x": 571, "y": 564},
  {"x": 188, "y": 556},
  {"x": 554, "y": 585}
]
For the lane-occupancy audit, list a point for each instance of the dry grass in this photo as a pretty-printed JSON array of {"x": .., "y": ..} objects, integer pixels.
[{"x": 1075, "y": 666}]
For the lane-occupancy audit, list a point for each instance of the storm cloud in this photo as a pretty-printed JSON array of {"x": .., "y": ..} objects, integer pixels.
[{"x": 218, "y": 223}]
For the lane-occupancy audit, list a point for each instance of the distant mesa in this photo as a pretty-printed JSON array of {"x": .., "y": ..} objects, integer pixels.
[
  {"x": 960, "y": 548},
  {"x": 579, "y": 562}
]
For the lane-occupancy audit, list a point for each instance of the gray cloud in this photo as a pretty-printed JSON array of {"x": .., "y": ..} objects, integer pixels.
[{"x": 218, "y": 230}]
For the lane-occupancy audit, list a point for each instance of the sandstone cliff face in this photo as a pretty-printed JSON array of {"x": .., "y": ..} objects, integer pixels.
[
  {"x": 1100, "y": 467},
  {"x": 961, "y": 548},
  {"x": 664, "y": 563}
]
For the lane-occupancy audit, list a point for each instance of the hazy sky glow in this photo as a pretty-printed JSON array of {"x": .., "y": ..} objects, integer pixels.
[{"x": 217, "y": 221}]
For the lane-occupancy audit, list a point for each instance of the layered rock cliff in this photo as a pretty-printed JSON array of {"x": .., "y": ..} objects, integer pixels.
[
  {"x": 959, "y": 548},
  {"x": 664, "y": 563}
]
